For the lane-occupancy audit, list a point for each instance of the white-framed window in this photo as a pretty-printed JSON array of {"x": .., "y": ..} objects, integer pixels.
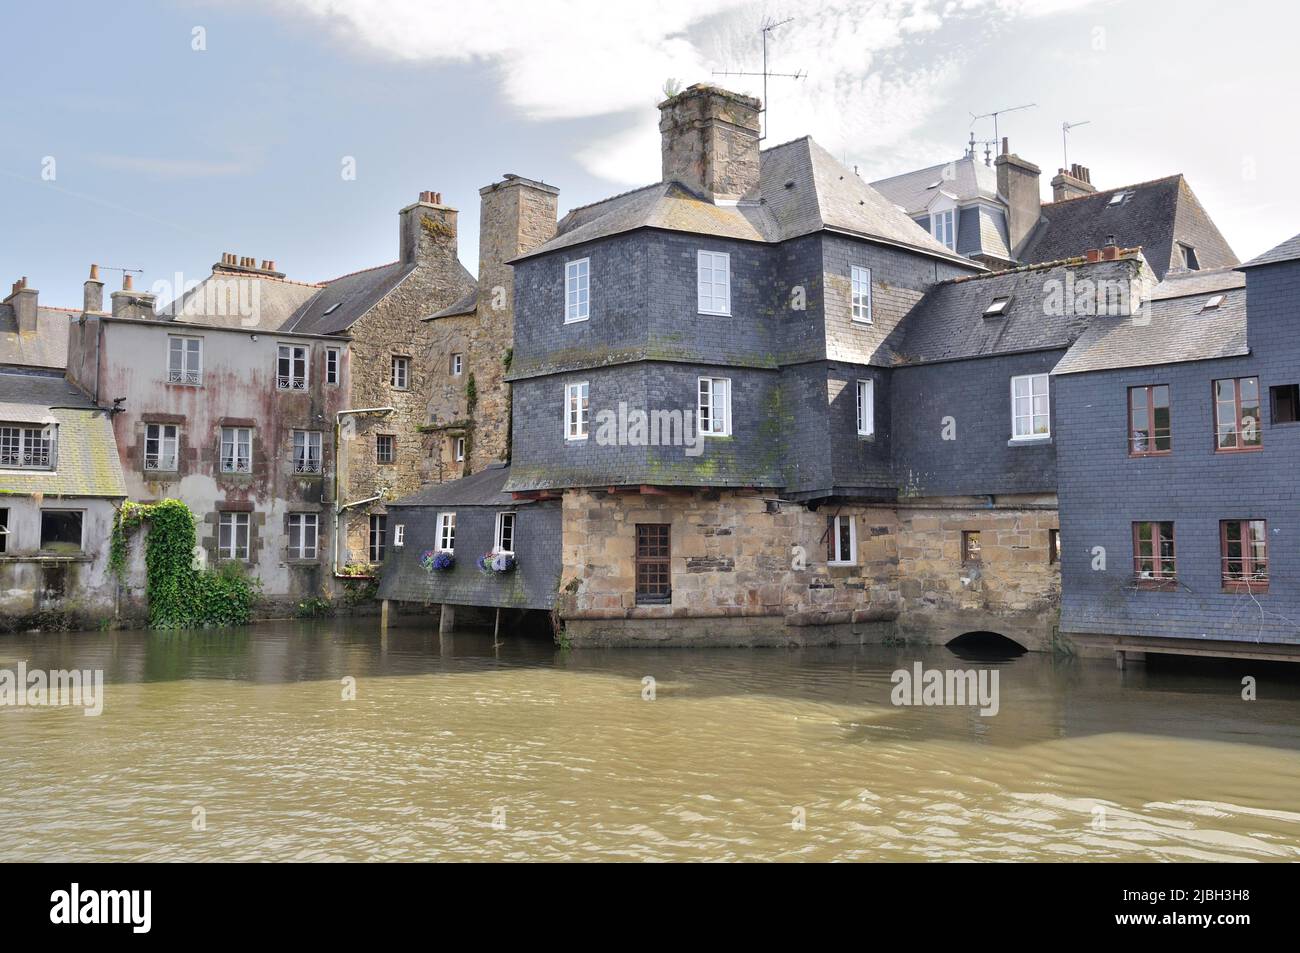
[
  {"x": 184, "y": 360},
  {"x": 160, "y": 444},
  {"x": 577, "y": 410},
  {"x": 714, "y": 406},
  {"x": 399, "y": 535},
  {"x": 232, "y": 536},
  {"x": 943, "y": 226},
  {"x": 236, "y": 449},
  {"x": 460, "y": 449},
  {"x": 505, "y": 533},
  {"x": 447, "y": 532},
  {"x": 291, "y": 367},
  {"x": 1030, "y": 409},
  {"x": 26, "y": 446},
  {"x": 4, "y": 529},
  {"x": 714, "y": 282},
  {"x": 304, "y": 529},
  {"x": 331, "y": 365},
  {"x": 457, "y": 364},
  {"x": 577, "y": 290},
  {"x": 306, "y": 451},
  {"x": 842, "y": 545},
  {"x": 401, "y": 374},
  {"x": 866, "y": 408},
  {"x": 860, "y": 280}
]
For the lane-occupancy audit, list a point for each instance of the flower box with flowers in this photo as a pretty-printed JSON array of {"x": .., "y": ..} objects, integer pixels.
[
  {"x": 496, "y": 562},
  {"x": 437, "y": 560}
]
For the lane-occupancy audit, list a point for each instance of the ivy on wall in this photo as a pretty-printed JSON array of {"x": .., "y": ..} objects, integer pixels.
[{"x": 180, "y": 596}]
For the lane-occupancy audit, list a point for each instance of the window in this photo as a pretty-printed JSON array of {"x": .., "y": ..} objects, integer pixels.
[
  {"x": 303, "y": 529},
  {"x": 4, "y": 529},
  {"x": 1236, "y": 414},
  {"x": 385, "y": 448},
  {"x": 457, "y": 364},
  {"x": 1030, "y": 416},
  {"x": 1285, "y": 399},
  {"x": 399, "y": 535},
  {"x": 331, "y": 365},
  {"x": 61, "y": 531},
  {"x": 401, "y": 373},
  {"x": 577, "y": 290},
  {"x": 860, "y": 280},
  {"x": 1118, "y": 198},
  {"x": 184, "y": 360},
  {"x": 1244, "y": 545},
  {"x": 577, "y": 411},
  {"x": 1053, "y": 547},
  {"x": 459, "y": 449},
  {"x": 714, "y": 406},
  {"x": 866, "y": 409},
  {"x": 1190, "y": 260},
  {"x": 232, "y": 536},
  {"x": 378, "y": 537},
  {"x": 842, "y": 541},
  {"x": 291, "y": 367},
  {"x": 1148, "y": 415},
  {"x": 306, "y": 451},
  {"x": 998, "y": 307},
  {"x": 943, "y": 227},
  {"x": 447, "y": 532},
  {"x": 160, "y": 446},
  {"x": 1154, "y": 563},
  {"x": 1213, "y": 301},
  {"x": 970, "y": 548},
  {"x": 505, "y": 535},
  {"x": 714, "y": 282},
  {"x": 653, "y": 572},
  {"x": 236, "y": 450},
  {"x": 26, "y": 447}
]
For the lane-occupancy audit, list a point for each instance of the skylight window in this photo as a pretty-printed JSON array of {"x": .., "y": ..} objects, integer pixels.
[
  {"x": 332, "y": 308},
  {"x": 1118, "y": 198},
  {"x": 1213, "y": 302},
  {"x": 935, "y": 184},
  {"x": 998, "y": 307}
]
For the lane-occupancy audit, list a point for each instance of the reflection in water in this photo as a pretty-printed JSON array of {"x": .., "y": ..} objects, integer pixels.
[{"x": 454, "y": 750}]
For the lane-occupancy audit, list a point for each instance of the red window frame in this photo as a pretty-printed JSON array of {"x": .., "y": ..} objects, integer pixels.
[
  {"x": 1238, "y": 423},
  {"x": 1153, "y": 436},
  {"x": 1150, "y": 572},
  {"x": 1252, "y": 575}
]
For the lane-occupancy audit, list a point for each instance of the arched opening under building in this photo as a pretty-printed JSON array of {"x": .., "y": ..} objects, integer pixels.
[{"x": 984, "y": 646}]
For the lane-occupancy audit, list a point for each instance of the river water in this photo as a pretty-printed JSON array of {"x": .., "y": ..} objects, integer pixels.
[{"x": 241, "y": 745}]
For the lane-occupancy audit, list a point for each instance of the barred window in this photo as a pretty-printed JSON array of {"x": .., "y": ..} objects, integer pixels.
[{"x": 653, "y": 569}]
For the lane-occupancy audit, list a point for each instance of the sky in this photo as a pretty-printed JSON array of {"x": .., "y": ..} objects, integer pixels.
[{"x": 158, "y": 135}]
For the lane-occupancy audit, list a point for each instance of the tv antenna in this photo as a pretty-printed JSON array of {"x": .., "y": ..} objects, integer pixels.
[
  {"x": 994, "y": 115},
  {"x": 1065, "y": 141},
  {"x": 768, "y": 26}
]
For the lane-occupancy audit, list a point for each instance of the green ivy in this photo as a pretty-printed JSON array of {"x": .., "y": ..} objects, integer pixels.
[
  {"x": 180, "y": 596},
  {"x": 471, "y": 394}
]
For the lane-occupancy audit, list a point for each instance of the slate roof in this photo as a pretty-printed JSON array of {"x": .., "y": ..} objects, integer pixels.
[
  {"x": 1289, "y": 250},
  {"x": 1174, "y": 326},
  {"x": 484, "y": 488},
  {"x": 47, "y": 346},
  {"x": 87, "y": 463},
  {"x": 216, "y": 305},
  {"x": 1154, "y": 216},
  {"x": 965, "y": 179},
  {"x": 949, "y": 323},
  {"x": 802, "y": 189},
  {"x": 467, "y": 304}
]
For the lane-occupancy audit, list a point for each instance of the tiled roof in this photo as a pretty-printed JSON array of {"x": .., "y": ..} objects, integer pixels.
[
  {"x": 1174, "y": 326},
  {"x": 47, "y": 346},
  {"x": 803, "y": 189},
  {"x": 1289, "y": 250},
  {"x": 484, "y": 488},
  {"x": 87, "y": 463},
  {"x": 964, "y": 179}
]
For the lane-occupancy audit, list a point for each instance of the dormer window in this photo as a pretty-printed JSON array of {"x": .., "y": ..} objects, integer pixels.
[
  {"x": 1190, "y": 261},
  {"x": 1213, "y": 302},
  {"x": 26, "y": 447},
  {"x": 943, "y": 226},
  {"x": 998, "y": 307}
]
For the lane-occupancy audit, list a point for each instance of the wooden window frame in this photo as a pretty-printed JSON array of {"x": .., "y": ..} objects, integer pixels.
[
  {"x": 1150, "y": 421},
  {"x": 1238, "y": 423},
  {"x": 654, "y": 562},
  {"x": 1249, "y": 564},
  {"x": 1158, "y": 578}
]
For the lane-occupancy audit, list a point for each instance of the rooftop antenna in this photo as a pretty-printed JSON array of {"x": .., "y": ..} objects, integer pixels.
[
  {"x": 1065, "y": 141},
  {"x": 768, "y": 26},
  {"x": 997, "y": 112}
]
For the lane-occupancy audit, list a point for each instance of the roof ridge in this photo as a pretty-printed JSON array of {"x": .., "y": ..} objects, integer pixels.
[
  {"x": 1118, "y": 188},
  {"x": 359, "y": 271},
  {"x": 789, "y": 142},
  {"x": 1125, "y": 254},
  {"x": 619, "y": 195},
  {"x": 259, "y": 277}
]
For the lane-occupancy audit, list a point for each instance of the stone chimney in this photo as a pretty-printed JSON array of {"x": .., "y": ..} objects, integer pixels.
[
  {"x": 23, "y": 300},
  {"x": 710, "y": 142},
  {"x": 92, "y": 299},
  {"x": 428, "y": 230},
  {"x": 1018, "y": 183},
  {"x": 1068, "y": 185},
  {"x": 129, "y": 303},
  {"x": 515, "y": 215}
]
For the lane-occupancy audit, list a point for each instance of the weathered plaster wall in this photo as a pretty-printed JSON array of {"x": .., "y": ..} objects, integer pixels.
[{"x": 78, "y": 584}]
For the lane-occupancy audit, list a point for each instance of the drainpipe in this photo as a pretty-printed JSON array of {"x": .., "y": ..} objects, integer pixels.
[{"x": 340, "y": 507}]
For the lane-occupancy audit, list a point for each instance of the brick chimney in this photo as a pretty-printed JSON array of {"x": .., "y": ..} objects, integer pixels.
[
  {"x": 710, "y": 142},
  {"x": 246, "y": 265},
  {"x": 129, "y": 303},
  {"x": 1068, "y": 185},
  {"x": 23, "y": 300},
  {"x": 1018, "y": 183},
  {"x": 92, "y": 299},
  {"x": 428, "y": 230}
]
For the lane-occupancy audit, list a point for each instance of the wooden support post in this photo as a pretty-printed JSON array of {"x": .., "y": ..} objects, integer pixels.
[
  {"x": 447, "y": 618},
  {"x": 496, "y": 628},
  {"x": 383, "y": 616},
  {"x": 1119, "y": 659}
]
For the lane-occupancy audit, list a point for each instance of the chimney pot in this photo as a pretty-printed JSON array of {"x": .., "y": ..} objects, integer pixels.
[
  {"x": 94, "y": 272},
  {"x": 128, "y": 282},
  {"x": 1006, "y": 148},
  {"x": 1093, "y": 254}
]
